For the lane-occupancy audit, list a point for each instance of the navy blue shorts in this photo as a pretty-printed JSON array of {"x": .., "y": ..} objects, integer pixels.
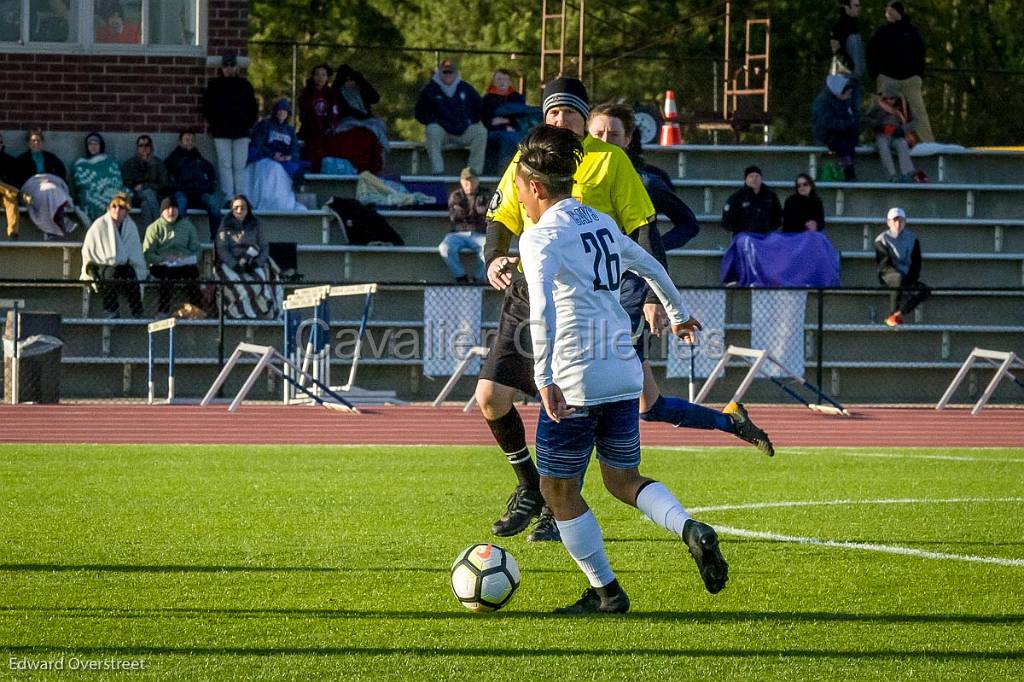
[{"x": 564, "y": 448}]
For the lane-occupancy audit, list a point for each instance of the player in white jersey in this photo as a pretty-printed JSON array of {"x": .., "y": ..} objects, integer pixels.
[{"x": 588, "y": 376}]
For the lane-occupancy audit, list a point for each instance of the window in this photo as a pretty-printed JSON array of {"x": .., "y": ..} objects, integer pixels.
[{"x": 103, "y": 26}]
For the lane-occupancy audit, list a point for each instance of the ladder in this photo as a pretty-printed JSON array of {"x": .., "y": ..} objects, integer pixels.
[
  {"x": 548, "y": 41},
  {"x": 752, "y": 78}
]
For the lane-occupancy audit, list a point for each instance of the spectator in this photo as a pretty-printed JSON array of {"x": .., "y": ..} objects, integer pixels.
[
  {"x": 146, "y": 175},
  {"x": 615, "y": 124},
  {"x": 37, "y": 160},
  {"x": 359, "y": 136},
  {"x": 194, "y": 180},
  {"x": 116, "y": 29},
  {"x": 50, "y": 21},
  {"x": 848, "y": 55},
  {"x": 229, "y": 106},
  {"x": 898, "y": 255},
  {"x": 891, "y": 121},
  {"x": 467, "y": 208},
  {"x": 95, "y": 178},
  {"x": 896, "y": 56},
  {"x": 274, "y": 162},
  {"x": 834, "y": 123},
  {"x": 171, "y": 248},
  {"x": 752, "y": 208},
  {"x": 450, "y": 109},
  {"x": 318, "y": 114},
  {"x": 804, "y": 210},
  {"x": 42, "y": 179},
  {"x": 243, "y": 260},
  {"x": 274, "y": 138},
  {"x": 502, "y": 132},
  {"x": 8, "y": 191},
  {"x": 112, "y": 258}
]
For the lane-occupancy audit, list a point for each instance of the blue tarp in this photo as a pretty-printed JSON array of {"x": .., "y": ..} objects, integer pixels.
[{"x": 778, "y": 259}]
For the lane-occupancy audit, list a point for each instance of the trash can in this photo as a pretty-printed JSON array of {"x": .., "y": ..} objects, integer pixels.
[{"x": 40, "y": 349}]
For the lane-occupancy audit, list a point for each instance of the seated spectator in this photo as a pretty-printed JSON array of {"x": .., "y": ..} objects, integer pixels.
[
  {"x": 116, "y": 29},
  {"x": 112, "y": 258},
  {"x": 42, "y": 179},
  {"x": 95, "y": 178},
  {"x": 834, "y": 123},
  {"x": 243, "y": 260},
  {"x": 318, "y": 114},
  {"x": 450, "y": 109},
  {"x": 467, "y": 209},
  {"x": 274, "y": 138},
  {"x": 274, "y": 162},
  {"x": 194, "y": 180},
  {"x": 502, "y": 132},
  {"x": 146, "y": 176},
  {"x": 898, "y": 256},
  {"x": 355, "y": 100},
  {"x": 752, "y": 208},
  {"x": 37, "y": 160},
  {"x": 8, "y": 191},
  {"x": 615, "y": 124},
  {"x": 804, "y": 209},
  {"x": 171, "y": 248},
  {"x": 891, "y": 122}
]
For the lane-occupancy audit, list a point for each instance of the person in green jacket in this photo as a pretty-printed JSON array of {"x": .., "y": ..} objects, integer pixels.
[{"x": 171, "y": 248}]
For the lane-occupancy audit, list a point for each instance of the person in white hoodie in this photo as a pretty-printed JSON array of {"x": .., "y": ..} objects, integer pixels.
[
  {"x": 588, "y": 376},
  {"x": 112, "y": 258}
]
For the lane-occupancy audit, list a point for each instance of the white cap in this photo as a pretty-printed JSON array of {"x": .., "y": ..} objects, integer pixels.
[{"x": 896, "y": 213}]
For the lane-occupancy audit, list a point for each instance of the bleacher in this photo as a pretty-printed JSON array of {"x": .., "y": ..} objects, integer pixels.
[{"x": 969, "y": 218}]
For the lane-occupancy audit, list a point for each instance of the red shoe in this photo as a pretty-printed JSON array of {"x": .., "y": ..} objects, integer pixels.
[{"x": 894, "y": 320}]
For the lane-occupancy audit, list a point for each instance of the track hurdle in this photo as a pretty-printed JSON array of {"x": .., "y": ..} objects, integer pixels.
[
  {"x": 151, "y": 329},
  {"x": 1001, "y": 360},
  {"x": 269, "y": 358},
  {"x": 313, "y": 358},
  {"x": 475, "y": 352},
  {"x": 758, "y": 358}
]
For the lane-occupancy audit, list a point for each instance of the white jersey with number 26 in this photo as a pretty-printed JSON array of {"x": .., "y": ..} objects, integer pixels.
[{"x": 574, "y": 258}]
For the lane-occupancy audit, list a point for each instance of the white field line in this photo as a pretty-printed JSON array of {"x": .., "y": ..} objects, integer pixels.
[
  {"x": 864, "y": 546},
  {"x": 870, "y": 547},
  {"x": 842, "y": 503},
  {"x": 826, "y": 451}
]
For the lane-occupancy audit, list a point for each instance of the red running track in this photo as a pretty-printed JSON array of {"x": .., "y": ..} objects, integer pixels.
[{"x": 423, "y": 425}]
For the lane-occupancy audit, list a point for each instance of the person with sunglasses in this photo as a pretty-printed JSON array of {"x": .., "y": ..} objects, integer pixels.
[
  {"x": 804, "y": 210},
  {"x": 112, "y": 258},
  {"x": 146, "y": 175}
]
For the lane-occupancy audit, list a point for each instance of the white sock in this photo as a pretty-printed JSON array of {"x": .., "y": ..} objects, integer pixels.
[
  {"x": 660, "y": 505},
  {"x": 582, "y": 537}
]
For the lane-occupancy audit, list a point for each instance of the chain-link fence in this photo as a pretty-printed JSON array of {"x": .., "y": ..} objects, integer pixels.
[
  {"x": 958, "y": 100},
  {"x": 416, "y": 335}
]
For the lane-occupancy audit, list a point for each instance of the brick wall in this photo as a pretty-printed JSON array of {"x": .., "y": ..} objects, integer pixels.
[{"x": 65, "y": 92}]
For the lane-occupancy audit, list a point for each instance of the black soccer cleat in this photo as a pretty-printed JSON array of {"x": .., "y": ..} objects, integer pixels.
[
  {"x": 591, "y": 602},
  {"x": 546, "y": 529},
  {"x": 702, "y": 541},
  {"x": 523, "y": 505},
  {"x": 747, "y": 430}
]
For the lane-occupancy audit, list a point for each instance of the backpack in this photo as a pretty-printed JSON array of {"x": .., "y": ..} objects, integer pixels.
[{"x": 362, "y": 224}]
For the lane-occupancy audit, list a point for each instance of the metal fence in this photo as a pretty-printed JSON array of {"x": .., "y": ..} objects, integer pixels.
[
  {"x": 958, "y": 100},
  {"x": 418, "y": 333}
]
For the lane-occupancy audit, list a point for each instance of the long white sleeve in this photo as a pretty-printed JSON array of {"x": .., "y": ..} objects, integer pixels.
[
  {"x": 540, "y": 266},
  {"x": 644, "y": 264}
]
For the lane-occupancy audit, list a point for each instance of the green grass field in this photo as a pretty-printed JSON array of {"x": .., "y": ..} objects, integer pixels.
[{"x": 330, "y": 562}]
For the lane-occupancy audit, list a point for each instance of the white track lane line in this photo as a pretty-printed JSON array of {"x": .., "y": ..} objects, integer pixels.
[{"x": 864, "y": 546}]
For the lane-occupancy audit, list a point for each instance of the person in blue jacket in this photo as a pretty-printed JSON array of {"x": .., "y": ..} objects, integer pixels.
[
  {"x": 274, "y": 138},
  {"x": 451, "y": 108}
]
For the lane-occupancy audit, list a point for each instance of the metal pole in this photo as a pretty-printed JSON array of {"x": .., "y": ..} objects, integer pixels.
[
  {"x": 820, "y": 342},
  {"x": 149, "y": 367},
  {"x": 220, "y": 328},
  {"x": 295, "y": 70},
  {"x": 170, "y": 365},
  {"x": 15, "y": 362}
]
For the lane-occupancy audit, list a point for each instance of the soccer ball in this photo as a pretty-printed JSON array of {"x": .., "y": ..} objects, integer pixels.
[{"x": 484, "y": 577}]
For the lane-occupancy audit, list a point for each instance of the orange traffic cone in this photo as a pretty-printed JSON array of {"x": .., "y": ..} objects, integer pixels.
[{"x": 670, "y": 133}]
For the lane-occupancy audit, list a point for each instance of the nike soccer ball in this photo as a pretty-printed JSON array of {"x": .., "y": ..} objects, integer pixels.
[{"x": 484, "y": 577}]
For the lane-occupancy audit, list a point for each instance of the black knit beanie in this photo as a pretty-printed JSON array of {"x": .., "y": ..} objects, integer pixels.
[
  {"x": 751, "y": 169},
  {"x": 566, "y": 92}
]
